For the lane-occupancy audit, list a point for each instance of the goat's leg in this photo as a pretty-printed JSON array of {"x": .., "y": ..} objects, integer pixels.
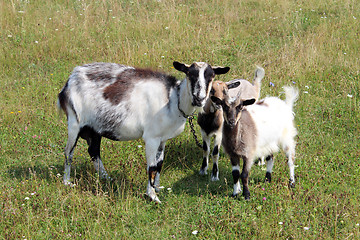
[
  {"x": 206, "y": 151},
  {"x": 291, "y": 159},
  {"x": 261, "y": 161},
  {"x": 269, "y": 167},
  {"x": 245, "y": 177},
  {"x": 73, "y": 135},
  {"x": 215, "y": 157},
  {"x": 159, "y": 160},
  {"x": 236, "y": 176},
  {"x": 94, "y": 141},
  {"x": 154, "y": 156}
]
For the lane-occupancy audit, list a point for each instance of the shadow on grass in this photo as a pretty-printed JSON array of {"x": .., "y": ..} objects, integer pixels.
[{"x": 181, "y": 155}]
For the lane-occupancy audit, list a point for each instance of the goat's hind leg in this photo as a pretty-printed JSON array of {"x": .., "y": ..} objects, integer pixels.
[
  {"x": 94, "y": 141},
  {"x": 73, "y": 135},
  {"x": 269, "y": 167}
]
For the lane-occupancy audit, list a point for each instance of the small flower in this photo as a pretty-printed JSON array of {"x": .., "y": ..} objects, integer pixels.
[
  {"x": 195, "y": 232},
  {"x": 281, "y": 223},
  {"x": 166, "y": 28},
  {"x": 139, "y": 146},
  {"x": 350, "y": 96},
  {"x": 306, "y": 92},
  {"x": 9, "y": 36},
  {"x": 358, "y": 224},
  {"x": 293, "y": 82},
  {"x": 264, "y": 198},
  {"x": 307, "y": 87},
  {"x": 272, "y": 84},
  {"x": 354, "y": 17},
  {"x": 306, "y": 228},
  {"x": 27, "y": 198},
  {"x": 263, "y": 189},
  {"x": 36, "y": 42}
]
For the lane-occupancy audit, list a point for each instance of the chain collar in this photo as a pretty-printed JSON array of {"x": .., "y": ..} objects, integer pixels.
[{"x": 180, "y": 110}]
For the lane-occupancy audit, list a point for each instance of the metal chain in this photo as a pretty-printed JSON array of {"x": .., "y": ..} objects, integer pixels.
[{"x": 193, "y": 131}]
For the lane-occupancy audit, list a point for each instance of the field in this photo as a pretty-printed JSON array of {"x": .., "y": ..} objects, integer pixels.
[{"x": 312, "y": 45}]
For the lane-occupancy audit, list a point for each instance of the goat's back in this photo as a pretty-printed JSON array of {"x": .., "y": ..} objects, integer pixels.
[
  {"x": 274, "y": 121},
  {"x": 245, "y": 90}
]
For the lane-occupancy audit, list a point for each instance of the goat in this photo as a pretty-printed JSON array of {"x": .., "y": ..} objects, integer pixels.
[
  {"x": 125, "y": 103},
  {"x": 258, "y": 130},
  {"x": 211, "y": 118}
]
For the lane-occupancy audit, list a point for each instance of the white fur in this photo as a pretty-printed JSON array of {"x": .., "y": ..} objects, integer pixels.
[
  {"x": 274, "y": 128},
  {"x": 150, "y": 111}
]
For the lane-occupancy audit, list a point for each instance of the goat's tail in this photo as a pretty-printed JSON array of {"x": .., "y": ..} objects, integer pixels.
[
  {"x": 291, "y": 95},
  {"x": 259, "y": 75}
]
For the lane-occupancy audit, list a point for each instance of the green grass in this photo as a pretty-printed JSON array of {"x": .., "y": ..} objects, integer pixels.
[{"x": 313, "y": 45}]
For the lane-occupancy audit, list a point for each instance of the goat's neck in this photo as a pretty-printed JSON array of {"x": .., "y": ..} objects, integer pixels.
[{"x": 184, "y": 99}]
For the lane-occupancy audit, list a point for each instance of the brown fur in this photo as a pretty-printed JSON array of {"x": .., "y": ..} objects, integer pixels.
[{"x": 126, "y": 80}]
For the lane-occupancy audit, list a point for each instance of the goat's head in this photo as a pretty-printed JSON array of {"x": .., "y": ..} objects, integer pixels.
[
  {"x": 220, "y": 90},
  {"x": 232, "y": 108},
  {"x": 200, "y": 76}
]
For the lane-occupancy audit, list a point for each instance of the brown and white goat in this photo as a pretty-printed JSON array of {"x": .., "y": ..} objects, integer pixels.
[
  {"x": 211, "y": 119},
  {"x": 124, "y": 103},
  {"x": 256, "y": 131}
]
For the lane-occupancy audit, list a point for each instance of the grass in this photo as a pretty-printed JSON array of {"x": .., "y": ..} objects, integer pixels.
[{"x": 310, "y": 44}]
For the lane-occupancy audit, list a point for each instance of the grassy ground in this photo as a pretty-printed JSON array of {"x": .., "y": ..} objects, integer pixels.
[{"x": 313, "y": 45}]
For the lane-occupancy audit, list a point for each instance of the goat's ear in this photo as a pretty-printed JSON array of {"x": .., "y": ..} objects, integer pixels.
[
  {"x": 233, "y": 84},
  {"x": 181, "y": 67},
  {"x": 248, "y": 102},
  {"x": 220, "y": 70},
  {"x": 216, "y": 100}
]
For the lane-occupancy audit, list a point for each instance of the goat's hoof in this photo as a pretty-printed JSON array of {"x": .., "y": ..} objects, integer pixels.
[
  {"x": 234, "y": 195},
  {"x": 214, "y": 178},
  {"x": 158, "y": 189},
  {"x": 291, "y": 184},
  {"x": 153, "y": 198},
  {"x": 246, "y": 195},
  {"x": 70, "y": 184},
  {"x": 268, "y": 177},
  {"x": 203, "y": 172}
]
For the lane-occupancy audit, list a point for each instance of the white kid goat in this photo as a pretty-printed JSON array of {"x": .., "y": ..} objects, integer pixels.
[{"x": 256, "y": 131}]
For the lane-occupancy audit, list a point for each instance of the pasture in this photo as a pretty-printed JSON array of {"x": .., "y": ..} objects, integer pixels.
[{"x": 312, "y": 45}]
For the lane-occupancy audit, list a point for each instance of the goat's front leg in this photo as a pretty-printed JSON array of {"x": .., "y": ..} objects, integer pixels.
[
  {"x": 215, "y": 157},
  {"x": 154, "y": 156},
  {"x": 206, "y": 151},
  {"x": 245, "y": 177},
  {"x": 236, "y": 176}
]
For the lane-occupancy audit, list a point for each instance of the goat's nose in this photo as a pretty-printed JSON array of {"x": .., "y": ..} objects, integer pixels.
[
  {"x": 198, "y": 102},
  {"x": 232, "y": 122}
]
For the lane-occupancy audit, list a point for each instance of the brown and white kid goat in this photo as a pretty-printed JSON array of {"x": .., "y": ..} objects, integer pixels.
[
  {"x": 211, "y": 119},
  {"x": 256, "y": 131},
  {"x": 124, "y": 103}
]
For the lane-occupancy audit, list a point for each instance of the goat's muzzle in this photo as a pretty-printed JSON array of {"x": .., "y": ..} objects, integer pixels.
[
  {"x": 197, "y": 102},
  {"x": 231, "y": 123}
]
